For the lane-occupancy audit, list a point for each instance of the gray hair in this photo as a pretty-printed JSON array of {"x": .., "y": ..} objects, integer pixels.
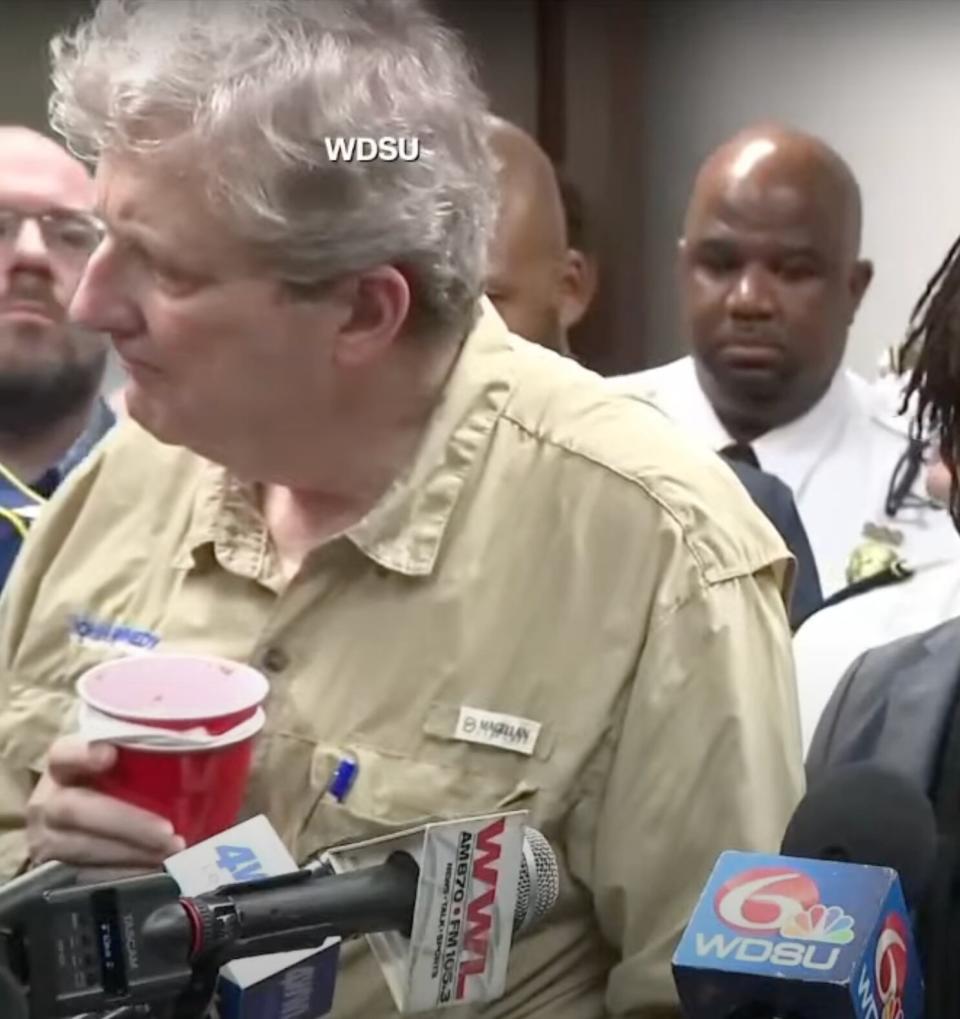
[{"x": 258, "y": 86}]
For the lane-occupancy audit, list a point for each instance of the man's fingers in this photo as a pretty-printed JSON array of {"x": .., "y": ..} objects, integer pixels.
[
  {"x": 82, "y": 849},
  {"x": 77, "y": 809},
  {"x": 70, "y": 821},
  {"x": 72, "y": 759}
]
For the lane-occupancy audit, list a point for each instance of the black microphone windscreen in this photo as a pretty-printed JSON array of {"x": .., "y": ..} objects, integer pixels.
[
  {"x": 13, "y": 998},
  {"x": 863, "y": 813}
]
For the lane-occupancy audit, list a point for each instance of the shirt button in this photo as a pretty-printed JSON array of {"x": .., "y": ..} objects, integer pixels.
[{"x": 275, "y": 659}]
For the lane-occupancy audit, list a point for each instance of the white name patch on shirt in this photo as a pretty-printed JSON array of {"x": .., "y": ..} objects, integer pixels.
[{"x": 493, "y": 729}]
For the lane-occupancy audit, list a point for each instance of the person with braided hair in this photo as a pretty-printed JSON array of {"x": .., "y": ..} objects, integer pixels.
[
  {"x": 922, "y": 382},
  {"x": 899, "y": 704}
]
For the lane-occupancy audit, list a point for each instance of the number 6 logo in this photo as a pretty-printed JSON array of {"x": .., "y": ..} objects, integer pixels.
[
  {"x": 890, "y": 961},
  {"x": 764, "y": 899}
]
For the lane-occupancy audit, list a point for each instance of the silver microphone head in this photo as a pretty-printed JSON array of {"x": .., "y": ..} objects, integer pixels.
[{"x": 539, "y": 886}]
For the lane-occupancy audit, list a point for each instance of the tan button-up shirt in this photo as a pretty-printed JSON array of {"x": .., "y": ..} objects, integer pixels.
[{"x": 556, "y": 553}]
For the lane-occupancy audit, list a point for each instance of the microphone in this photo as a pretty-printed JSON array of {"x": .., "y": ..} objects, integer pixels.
[
  {"x": 293, "y": 984},
  {"x": 482, "y": 880},
  {"x": 139, "y": 940},
  {"x": 784, "y": 937},
  {"x": 862, "y": 813},
  {"x": 471, "y": 962}
]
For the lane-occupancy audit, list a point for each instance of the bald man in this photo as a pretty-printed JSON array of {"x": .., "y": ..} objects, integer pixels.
[
  {"x": 537, "y": 281},
  {"x": 50, "y": 370},
  {"x": 771, "y": 277}
]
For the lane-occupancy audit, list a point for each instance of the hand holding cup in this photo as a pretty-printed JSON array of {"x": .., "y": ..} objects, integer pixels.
[{"x": 70, "y": 821}]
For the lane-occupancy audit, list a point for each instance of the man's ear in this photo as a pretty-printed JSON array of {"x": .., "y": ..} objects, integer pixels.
[
  {"x": 680, "y": 263},
  {"x": 376, "y": 303},
  {"x": 578, "y": 285},
  {"x": 860, "y": 280}
]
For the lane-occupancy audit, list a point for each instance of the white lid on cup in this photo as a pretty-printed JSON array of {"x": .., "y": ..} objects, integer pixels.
[{"x": 97, "y": 727}]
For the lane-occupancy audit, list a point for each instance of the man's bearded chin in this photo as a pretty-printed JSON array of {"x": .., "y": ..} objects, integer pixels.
[{"x": 35, "y": 398}]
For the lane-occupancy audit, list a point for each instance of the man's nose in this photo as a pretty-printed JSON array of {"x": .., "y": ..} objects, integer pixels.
[
  {"x": 752, "y": 295},
  {"x": 29, "y": 249},
  {"x": 99, "y": 303}
]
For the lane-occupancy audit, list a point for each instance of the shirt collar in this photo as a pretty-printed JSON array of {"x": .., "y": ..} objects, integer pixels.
[
  {"x": 793, "y": 450},
  {"x": 687, "y": 403},
  {"x": 404, "y": 531}
]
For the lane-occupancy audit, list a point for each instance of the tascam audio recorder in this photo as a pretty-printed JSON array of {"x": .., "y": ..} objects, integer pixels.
[{"x": 774, "y": 937}]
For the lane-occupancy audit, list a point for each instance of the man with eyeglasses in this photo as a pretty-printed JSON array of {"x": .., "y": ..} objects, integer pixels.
[{"x": 50, "y": 370}]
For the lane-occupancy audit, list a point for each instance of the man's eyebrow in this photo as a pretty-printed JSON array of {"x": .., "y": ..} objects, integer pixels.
[
  {"x": 130, "y": 233},
  {"x": 803, "y": 250},
  {"x": 714, "y": 244},
  {"x": 71, "y": 210},
  {"x": 58, "y": 209},
  {"x": 800, "y": 249},
  {"x": 715, "y": 240}
]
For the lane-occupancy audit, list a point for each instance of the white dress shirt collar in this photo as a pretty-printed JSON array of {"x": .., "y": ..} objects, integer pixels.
[{"x": 792, "y": 451}]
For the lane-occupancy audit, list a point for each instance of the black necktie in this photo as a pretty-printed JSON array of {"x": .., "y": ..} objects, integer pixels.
[{"x": 741, "y": 452}]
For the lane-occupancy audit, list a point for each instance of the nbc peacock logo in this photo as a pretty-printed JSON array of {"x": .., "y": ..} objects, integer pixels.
[{"x": 828, "y": 924}]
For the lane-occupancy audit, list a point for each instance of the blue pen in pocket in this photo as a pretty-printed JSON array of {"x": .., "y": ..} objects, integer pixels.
[{"x": 344, "y": 775}]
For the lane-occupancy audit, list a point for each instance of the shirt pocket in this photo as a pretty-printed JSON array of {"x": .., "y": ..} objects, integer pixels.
[{"x": 391, "y": 792}]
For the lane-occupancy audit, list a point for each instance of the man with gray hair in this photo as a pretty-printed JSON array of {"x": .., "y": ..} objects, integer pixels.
[{"x": 342, "y": 468}]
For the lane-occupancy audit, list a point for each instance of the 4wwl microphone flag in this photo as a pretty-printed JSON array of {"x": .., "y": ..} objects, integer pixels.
[
  {"x": 463, "y": 921},
  {"x": 811, "y": 939},
  {"x": 282, "y": 985}
]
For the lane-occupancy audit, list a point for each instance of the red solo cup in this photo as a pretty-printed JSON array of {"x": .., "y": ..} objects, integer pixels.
[{"x": 197, "y": 781}]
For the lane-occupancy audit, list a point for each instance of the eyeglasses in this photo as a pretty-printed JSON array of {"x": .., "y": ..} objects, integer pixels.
[
  {"x": 900, "y": 493},
  {"x": 70, "y": 237}
]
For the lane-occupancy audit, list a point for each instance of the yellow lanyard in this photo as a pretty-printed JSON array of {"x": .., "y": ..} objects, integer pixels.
[{"x": 18, "y": 522}]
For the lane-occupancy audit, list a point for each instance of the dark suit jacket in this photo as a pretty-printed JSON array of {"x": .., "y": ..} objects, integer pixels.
[
  {"x": 892, "y": 706},
  {"x": 897, "y": 706},
  {"x": 776, "y": 500}
]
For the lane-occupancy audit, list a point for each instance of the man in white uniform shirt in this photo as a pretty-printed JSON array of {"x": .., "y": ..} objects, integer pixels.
[{"x": 771, "y": 278}]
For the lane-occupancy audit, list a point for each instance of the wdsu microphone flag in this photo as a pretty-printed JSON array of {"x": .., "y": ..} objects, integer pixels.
[
  {"x": 776, "y": 935},
  {"x": 463, "y": 919}
]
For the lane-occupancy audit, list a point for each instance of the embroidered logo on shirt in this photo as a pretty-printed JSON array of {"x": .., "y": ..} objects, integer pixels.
[
  {"x": 492, "y": 729},
  {"x": 89, "y": 631}
]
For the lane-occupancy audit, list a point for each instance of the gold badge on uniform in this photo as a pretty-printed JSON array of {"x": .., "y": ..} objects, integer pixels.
[{"x": 877, "y": 553}]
